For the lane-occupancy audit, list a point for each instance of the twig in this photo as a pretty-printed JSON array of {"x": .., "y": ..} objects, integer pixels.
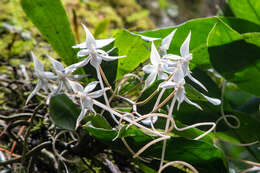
[
  {"x": 148, "y": 98},
  {"x": 105, "y": 79},
  {"x": 165, "y": 101},
  {"x": 245, "y": 161},
  {"x": 28, "y": 154},
  {"x": 27, "y": 133},
  {"x": 6, "y": 151},
  {"x": 178, "y": 162}
]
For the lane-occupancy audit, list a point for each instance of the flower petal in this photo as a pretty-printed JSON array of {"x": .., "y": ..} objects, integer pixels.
[
  {"x": 167, "y": 41},
  {"x": 37, "y": 64},
  {"x": 91, "y": 86},
  {"x": 173, "y": 57},
  {"x": 145, "y": 37},
  {"x": 89, "y": 104},
  {"x": 111, "y": 58},
  {"x": 167, "y": 68},
  {"x": 149, "y": 68},
  {"x": 58, "y": 67},
  {"x": 150, "y": 79},
  {"x": 96, "y": 61},
  {"x": 76, "y": 87},
  {"x": 81, "y": 116},
  {"x": 185, "y": 46},
  {"x": 98, "y": 93},
  {"x": 81, "y": 45},
  {"x": 197, "y": 82},
  {"x": 150, "y": 120},
  {"x": 180, "y": 94},
  {"x": 162, "y": 76},
  {"x": 178, "y": 74},
  {"x": 90, "y": 40},
  {"x": 214, "y": 101},
  {"x": 49, "y": 75},
  {"x": 192, "y": 103},
  {"x": 167, "y": 84},
  {"x": 104, "y": 42},
  {"x": 36, "y": 89},
  {"x": 83, "y": 52},
  {"x": 73, "y": 67},
  {"x": 154, "y": 56}
]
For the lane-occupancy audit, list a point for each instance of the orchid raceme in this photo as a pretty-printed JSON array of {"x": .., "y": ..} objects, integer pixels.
[
  {"x": 43, "y": 77},
  {"x": 86, "y": 97},
  {"x": 91, "y": 48}
]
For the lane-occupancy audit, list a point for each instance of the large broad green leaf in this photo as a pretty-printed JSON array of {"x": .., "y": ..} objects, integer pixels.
[
  {"x": 200, "y": 29},
  {"x": 246, "y": 9},
  {"x": 137, "y": 50},
  {"x": 202, "y": 155},
  {"x": 50, "y": 18},
  {"x": 236, "y": 57},
  {"x": 63, "y": 112},
  {"x": 134, "y": 48}
]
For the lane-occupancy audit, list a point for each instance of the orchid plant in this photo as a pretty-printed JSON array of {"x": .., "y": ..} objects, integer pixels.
[{"x": 170, "y": 69}]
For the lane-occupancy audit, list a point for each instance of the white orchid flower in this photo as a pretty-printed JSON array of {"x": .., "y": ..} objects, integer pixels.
[
  {"x": 92, "y": 47},
  {"x": 180, "y": 94},
  {"x": 86, "y": 97},
  {"x": 64, "y": 74},
  {"x": 157, "y": 68},
  {"x": 166, "y": 42},
  {"x": 43, "y": 77},
  {"x": 184, "y": 60}
]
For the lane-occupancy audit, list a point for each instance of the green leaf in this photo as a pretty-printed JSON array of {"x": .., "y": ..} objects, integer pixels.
[
  {"x": 100, "y": 133},
  {"x": 200, "y": 29},
  {"x": 145, "y": 168},
  {"x": 99, "y": 121},
  {"x": 220, "y": 33},
  {"x": 246, "y": 9},
  {"x": 138, "y": 51},
  {"x": 132, "y": 46},
  {"x": 102, "y": 28},
  {"x": 202, "y": 155},
  {"x": 236, "y": 57},
  {"x": 50, "y": 18},
  {"x": 63, "y": 111}
]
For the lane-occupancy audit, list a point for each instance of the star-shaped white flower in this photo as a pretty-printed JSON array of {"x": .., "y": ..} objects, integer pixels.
[
  {"x": 92, "y": 47},
  {"x": 86, "y": 97},
  {"x": 64, "y": 74},
  {"x": 184, "y": 60},
  {"x": 180, "y": 94},
  {"x": 43, "y": 77},
  {"x": 157, "y": 68}
]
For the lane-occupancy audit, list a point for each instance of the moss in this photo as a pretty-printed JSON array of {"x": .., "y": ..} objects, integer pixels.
[
  {"x": 92, "y": 13},
  {"x": 21, "y": 47}
]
